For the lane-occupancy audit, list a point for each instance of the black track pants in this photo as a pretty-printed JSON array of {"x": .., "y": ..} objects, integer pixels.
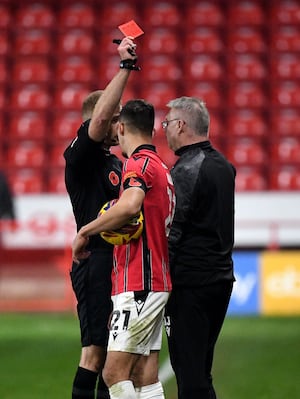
[{"x": 194, "y": 318}]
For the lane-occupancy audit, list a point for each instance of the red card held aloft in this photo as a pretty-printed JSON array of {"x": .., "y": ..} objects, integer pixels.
[{"x": 131, "y": 28}]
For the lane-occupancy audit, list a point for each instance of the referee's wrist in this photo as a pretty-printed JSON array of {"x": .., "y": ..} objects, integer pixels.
[{"x": 129, "y": 64}]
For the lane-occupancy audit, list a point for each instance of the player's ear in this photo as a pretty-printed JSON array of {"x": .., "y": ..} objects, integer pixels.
[{"x": 121, "y": 128}]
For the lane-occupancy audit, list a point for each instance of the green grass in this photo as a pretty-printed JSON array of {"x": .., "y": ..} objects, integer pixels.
[
  {"x": 255, "y": 357},
  {"x": 258, "y": 358},
  {"x": 38, "y": 356}
]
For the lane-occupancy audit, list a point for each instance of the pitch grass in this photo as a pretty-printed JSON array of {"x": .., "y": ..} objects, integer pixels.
[{"x": 255, "y": 357}]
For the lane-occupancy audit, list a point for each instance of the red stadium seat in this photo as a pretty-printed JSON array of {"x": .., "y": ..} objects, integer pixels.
[
  {"x": 4, "y": 43},
  {"x": 209, "y": 92},
  {"x": 34, "y": 16},
  {"x": 70, "y": 97},
  {"x": 25, "y": 154},
  {"x": 30, "y": 97},
  {"x": 245, "y": 13},
  {"x": 28, "y": 125},
  {"x": 107, "y": 68},
  {"x": 31, "y": 70},
  {"x": 129, "y": 94},
  {"x": 117, "y": 13},
  {"x": 74, "y": 69},
  {"x": 247, "y": 123},
  {"x": 286, "y": 94},
  {"x": 160, "y": 115},
  {"x": 247, "y": 95},
  {"x": 286, "y": 39},
  {"x": 161, "y": 41},
  {"x": 1, "y": 136},
  {"x": 33, "y": 42},
  {"x": 204, "y": 68},
  {"x": 245, "y": 151},
  {"x": 250, "y": 179},
  {"x": 105, "y": 46},
  {"x": 285, "y": 122},
  {"x": 162, "y": 13},
  {"x": 285, "y": 67},
  {"x": 204, "y": 13},
  {"x": 56, "y": 158},
  {"x": 56, "y": 181},
  {"x": 25, "y": 181},
  {"x": 216, "y": 129},
  {"x": 159, "y": 93},
  {"x": 161, "y": 68},
  {"x": 4, "y": 73},
  {"x": 65, "y": 125},
  {"x": 246, "y": 67},
  {"x": 76, "y": 42},
  {"x": 6, "y": 17},
  {"x": 77, "y": 15},
  {"x": 285, "y": 178},
  {"x": 117, "y": 151},
  {"x": 1, "y": 125},
  {"x": 285, "y": 12},
  {"x": 246, "y": 39},
  {"x": 286, "y": 151},
  {"x": 1, "y": 150},
  {"x": 203, "y": 40},
  {"x": 3, "y": 98},
  {"x": 167, "y": 155}
]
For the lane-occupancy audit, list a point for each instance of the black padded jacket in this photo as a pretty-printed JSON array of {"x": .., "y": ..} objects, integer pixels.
[{"x": 202, "y": 234}]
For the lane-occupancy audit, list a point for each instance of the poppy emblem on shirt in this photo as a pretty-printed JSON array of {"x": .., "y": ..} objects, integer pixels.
[
  {"x": 134, "y": 183},
  {"x": 114, "y": 178}
]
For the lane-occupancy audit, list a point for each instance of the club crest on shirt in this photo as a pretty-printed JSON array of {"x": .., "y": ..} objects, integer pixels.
[{"x": 134, "y": 182}]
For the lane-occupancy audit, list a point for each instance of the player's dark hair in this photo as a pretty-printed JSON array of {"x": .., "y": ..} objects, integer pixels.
[{"x": 139, "y": 114}]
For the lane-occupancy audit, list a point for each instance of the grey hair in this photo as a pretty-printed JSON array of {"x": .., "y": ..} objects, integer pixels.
[{"x": 194, "y": 112}]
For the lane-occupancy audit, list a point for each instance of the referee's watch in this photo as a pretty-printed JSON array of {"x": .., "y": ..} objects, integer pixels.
[{"x": 129, "y": 64}]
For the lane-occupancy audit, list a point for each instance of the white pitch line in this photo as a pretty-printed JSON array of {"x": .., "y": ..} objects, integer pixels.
[{"x": 165, "y": 371}]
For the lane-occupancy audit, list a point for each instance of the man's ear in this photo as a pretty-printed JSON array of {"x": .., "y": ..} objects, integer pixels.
[
  {"x": 121, "y": 128},
  {"x": 181, "y": 124}
]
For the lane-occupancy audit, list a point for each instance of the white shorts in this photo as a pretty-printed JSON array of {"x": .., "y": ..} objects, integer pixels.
[{"x": 136, "y": 322}]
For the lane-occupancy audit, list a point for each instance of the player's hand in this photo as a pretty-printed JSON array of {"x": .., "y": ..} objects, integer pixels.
[
  {"x": 127, "y": 49},
  {"x": 78, "y": 248}
]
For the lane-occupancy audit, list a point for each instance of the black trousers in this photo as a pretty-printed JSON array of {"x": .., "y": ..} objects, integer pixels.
[{"x": 194, "y": 318}]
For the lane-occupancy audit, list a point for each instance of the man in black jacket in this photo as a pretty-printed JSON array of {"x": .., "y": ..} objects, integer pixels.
[{"x": 200, "y": 243}]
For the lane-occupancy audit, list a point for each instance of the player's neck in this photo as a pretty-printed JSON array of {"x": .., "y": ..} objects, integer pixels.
[{"x": 137, "y": 142}]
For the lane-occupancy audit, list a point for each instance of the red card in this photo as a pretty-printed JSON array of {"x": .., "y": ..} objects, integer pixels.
[{"x": 131, "y": 28}]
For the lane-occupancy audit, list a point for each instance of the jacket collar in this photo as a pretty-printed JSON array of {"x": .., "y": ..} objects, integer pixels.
[{"x": 202, "y": 144}]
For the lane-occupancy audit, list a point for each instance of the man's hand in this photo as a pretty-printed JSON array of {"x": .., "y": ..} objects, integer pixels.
[
  {"x": 78, "y": 248},
  {"x": 127, "y": 49}
]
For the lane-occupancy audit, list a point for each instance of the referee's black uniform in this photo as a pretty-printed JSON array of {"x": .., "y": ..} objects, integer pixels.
[
  {"x": 200, "y": 243},
  {"x": 92, "y": 177}
]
